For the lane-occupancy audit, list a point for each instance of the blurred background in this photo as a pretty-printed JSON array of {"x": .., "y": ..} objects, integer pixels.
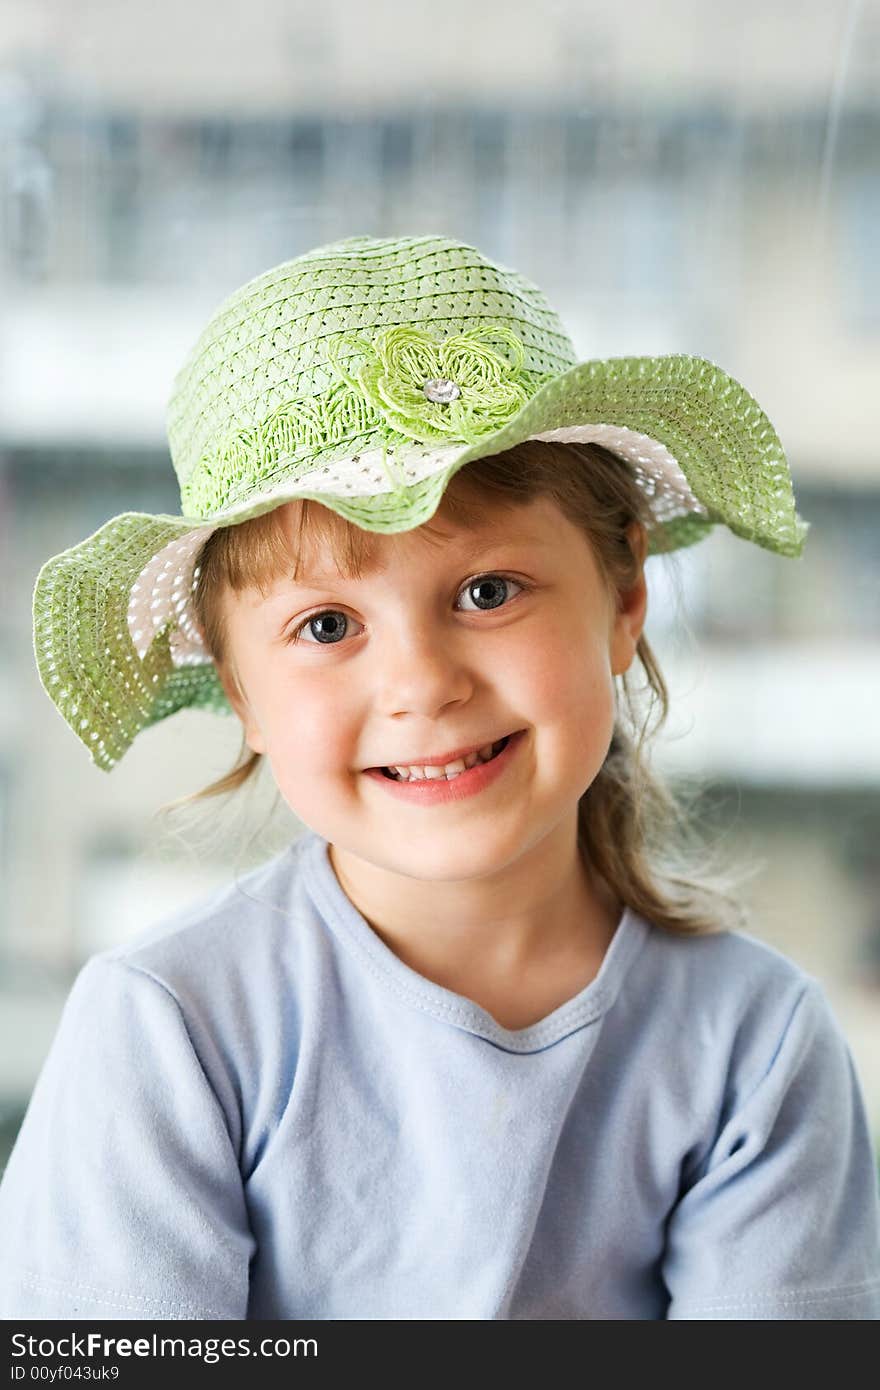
[{"x": 678, "y": 177}]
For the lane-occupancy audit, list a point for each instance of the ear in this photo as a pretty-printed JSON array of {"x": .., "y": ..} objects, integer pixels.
[
  {"x": 632, "y": 605},
  {"x": 238, "y": 701}
]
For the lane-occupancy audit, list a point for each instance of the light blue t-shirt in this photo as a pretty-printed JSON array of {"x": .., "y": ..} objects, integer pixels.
[{"x": 257, "y": 1110}]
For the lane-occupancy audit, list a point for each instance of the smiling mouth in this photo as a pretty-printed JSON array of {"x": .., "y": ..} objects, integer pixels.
[{"x": 496, "y": 749}]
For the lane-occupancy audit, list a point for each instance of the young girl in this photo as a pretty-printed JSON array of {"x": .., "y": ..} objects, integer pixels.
[{"x": 474, "y": 1046}]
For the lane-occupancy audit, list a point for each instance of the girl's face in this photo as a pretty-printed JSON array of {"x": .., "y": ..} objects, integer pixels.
[{"x": 440, "y": 646}]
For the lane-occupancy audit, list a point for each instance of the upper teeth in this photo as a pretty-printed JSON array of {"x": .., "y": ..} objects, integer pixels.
[{"x": 415, "y": 774}]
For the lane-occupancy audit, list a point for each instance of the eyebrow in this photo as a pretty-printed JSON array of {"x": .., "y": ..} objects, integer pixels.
[{"x": 322, "y": 579}]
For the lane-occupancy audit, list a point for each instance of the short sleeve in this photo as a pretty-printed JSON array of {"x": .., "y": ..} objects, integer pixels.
[
  {"x": 122, "y": 1197},
  {"x": 782, "y": 1217}
]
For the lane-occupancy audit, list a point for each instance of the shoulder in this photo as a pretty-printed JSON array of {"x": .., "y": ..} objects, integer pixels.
[
  {"x": 222, "y": 953},
  {"x": 210, "y": 991},
  {"x": 245, "y": 909},
  {"x": 730, "y": 968},
  {"x": 777, "y": 1213},
  {"x": 725, "y": 1002}
]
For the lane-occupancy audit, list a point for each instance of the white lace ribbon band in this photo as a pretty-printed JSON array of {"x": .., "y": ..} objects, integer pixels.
[{"x": 162, "y": 594}]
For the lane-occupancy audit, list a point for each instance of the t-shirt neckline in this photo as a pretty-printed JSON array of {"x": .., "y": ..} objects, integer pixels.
[{"x": 456, "y": 1010}]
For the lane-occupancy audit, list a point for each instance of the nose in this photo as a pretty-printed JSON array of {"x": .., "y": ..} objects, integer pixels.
[{"x": 422, "y": 670}]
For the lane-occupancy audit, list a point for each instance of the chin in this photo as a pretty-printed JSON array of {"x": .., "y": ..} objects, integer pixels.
[{"x": 453, "y": 857}]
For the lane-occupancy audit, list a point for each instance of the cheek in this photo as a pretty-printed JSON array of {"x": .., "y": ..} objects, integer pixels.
[
  {"x": 566, "y": 690},
  {"x": 564, "y": 680},
  {"x": 308, "y": 731}
]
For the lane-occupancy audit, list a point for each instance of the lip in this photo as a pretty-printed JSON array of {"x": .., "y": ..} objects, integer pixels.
[
  {"x": 444, "y": 759},
  {"x": 431, "y": 791}
]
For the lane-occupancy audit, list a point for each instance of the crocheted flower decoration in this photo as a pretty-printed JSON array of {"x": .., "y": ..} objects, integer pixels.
[{"x": 437, "y": 389}]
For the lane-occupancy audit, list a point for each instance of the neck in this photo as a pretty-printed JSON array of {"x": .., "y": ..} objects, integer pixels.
[{"x": 545, "y": 912}]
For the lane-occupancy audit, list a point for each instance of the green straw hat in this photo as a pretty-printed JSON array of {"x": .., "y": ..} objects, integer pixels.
[{"x": 364, "y": 374}]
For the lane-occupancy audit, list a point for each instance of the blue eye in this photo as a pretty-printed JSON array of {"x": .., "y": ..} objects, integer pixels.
[
  {"x": 490, "y": 582},
  {"x": 329, "y": 623}
]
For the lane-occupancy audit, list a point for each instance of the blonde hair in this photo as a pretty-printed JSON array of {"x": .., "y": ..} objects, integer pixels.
[{"x": 634, "y": 830}]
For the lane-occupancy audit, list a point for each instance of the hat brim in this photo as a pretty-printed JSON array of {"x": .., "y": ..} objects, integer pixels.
[{"x": 705, "y": 451}]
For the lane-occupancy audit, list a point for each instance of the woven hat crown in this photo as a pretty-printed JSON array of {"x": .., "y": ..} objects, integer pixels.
[{"x": 289, "y": 368}]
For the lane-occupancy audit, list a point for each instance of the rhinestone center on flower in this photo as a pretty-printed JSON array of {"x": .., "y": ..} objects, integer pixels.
[{"x": 440, "y": 390}]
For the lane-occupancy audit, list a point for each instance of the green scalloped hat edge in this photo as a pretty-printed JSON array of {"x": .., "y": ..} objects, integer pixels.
[{"x": 364, "y": 374}]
